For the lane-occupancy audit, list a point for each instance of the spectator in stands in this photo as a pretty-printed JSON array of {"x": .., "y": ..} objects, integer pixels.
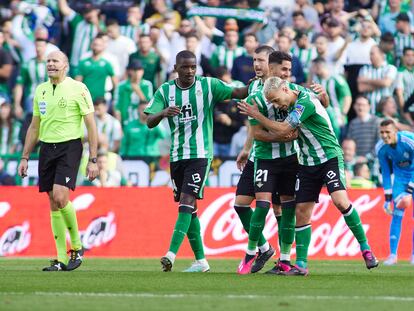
[
  {"x": 387, "y": 45},
  {"x": 9, "y": 129},
  {"x": 338, "y": 91},
  {"x": 177, "y": 40},
  {"x": 362, "y": 177},
  {"x": 304, "y": 51},
  {"x": 10, "y": 44},
  {"x": 150, "y": 60},
  {"x": 163, "y": 13},
  {"x": 336, "y": 44},
  {"x": 238, "y": 140},
  {"x": 95, "y": 70},
  {"x": 357, "y": 53},
  {"x": 134, "y": 26},
  {"x": 119, "y": 46},
  {"x": 42, "y": 33},
  {"x": 388, "y": 20},
  {"x": 350, "y": 158},
  {"x": 32, "y": 73},
  {"x": 388, "y": 110},
  {"x": 6, "y": 67},
  {"x": 227, "y": 119},
  {"x": 106, "y": 177},
  {"x": 130, "y": 92},
  {"x": 243, "y": 65},
  {"x": 321, "y": 45},
  {"x": 139, "y": 140},
  {"x": 405, "y": 84},
  {"x": 108, "y": 126},
  {"x": 376, "y": 80},
  {"x": 5, "y": 178},
  {"x": 403, "y": 37},
  {"x": 225, "y": 54},
  {"x": 284, "y": 43},
  {"x": 192, "y": 44},
  {"x": 300, "y": 24},
  {"x": 364, "y": 129},
  {"x": 83, "y": 28},
  {"x": 309, "y": 12}
]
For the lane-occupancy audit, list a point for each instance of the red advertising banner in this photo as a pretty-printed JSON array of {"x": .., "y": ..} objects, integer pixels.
[{"x": 138, "y": 222}]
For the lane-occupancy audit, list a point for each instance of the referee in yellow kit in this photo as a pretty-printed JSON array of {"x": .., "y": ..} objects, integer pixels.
[{"x": 59, "y": 106}]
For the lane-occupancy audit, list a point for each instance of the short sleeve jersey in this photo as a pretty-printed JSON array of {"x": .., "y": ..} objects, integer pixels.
[
  {"x": 61, "y": 109},
  {"x": 192, "y": 129},
  {"x": 127, "y": 101},
  {"x": 317, "y": 140},
  {"x": 95, "y": 73}
]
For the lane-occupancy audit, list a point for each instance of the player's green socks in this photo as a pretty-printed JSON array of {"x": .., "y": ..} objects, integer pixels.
[
  {"x": 303, "y": 238},
  {"x": 288, "y": 228},
  {"x": 69, "y": 217},
  {"x": 245, "y": 214},
  {"x": 257, "y": 223},
  {"x": 59, "y": 234},
  {"x": 194, "y": 237},
  {"x": 354, "y": 223},
  {"x": 181, "y": 227},
  {"x": 279, "y": 228}
]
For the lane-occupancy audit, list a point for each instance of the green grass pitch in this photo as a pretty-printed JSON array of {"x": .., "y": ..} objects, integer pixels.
[{"x": 138, "y": 284}]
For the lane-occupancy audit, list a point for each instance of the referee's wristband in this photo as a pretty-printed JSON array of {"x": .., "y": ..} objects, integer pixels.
[{"x": 23, "y": 158}]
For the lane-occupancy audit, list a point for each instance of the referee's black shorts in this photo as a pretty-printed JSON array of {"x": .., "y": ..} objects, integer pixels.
[{"x": 59, "y": 164}]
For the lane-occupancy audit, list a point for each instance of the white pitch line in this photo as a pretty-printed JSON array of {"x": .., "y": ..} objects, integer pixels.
[{"x": 178, "y": 296}]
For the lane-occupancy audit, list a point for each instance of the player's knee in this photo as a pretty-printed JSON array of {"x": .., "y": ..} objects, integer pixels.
[
  {"x": 60, "y": 199},
  {"x": 303, "y": 214},
  {"x": 187, "y": 199},
  {"x": 340, "y": 200}
]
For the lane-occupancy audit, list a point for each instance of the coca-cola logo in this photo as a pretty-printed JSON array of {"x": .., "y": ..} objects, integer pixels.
[
  {"x": 15, "y": 239},
  {"x": 100, "y": 231},
  {"x": 223, "y": 232}
]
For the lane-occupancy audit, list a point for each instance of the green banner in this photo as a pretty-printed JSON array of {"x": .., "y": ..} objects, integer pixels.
[{"x": 254, "y": 15}]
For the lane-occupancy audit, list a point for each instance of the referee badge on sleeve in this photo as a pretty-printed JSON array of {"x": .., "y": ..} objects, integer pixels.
[{"x": 42, "y": 107}]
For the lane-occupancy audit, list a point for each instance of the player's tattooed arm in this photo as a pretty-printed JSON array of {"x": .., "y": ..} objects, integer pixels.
[{"x": 261, "y": 134}]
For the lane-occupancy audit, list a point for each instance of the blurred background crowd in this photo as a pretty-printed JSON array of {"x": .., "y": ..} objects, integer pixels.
[{"x": 362, "y": 52}]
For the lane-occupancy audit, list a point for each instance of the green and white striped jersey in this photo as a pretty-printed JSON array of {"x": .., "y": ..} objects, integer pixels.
[
  {"x": 305, "y": 56},
  {"x": 382, "y": 72},
  {"x": 222, "y": 56},
  {"x": 192, "y": 129},
  {"x": 401, "y": 41},
  {"x": 132, "y": 32},
  {"x": 317, "y": 140},
  {"x": 337, "y": 89},
  {"x": 82, "y": 35},
  {"x": 405, "y": 81},
  {"x": 266, "y": 150},
  {"x": 32, "y": 73},
  {"x": 255, "y": 85}
]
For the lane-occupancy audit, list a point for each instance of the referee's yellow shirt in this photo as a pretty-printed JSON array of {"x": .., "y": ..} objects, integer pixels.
[{"x": 61, "y": 108}]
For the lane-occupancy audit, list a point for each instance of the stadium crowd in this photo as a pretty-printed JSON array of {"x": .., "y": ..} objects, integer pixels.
[{"x": 361, "y": 52}]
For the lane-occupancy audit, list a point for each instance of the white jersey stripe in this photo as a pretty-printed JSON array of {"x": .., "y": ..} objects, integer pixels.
[
  {"x": 200, "y": 119},
  {"x": 170, "y": 98},
  {"x": 187, "y": 126}
]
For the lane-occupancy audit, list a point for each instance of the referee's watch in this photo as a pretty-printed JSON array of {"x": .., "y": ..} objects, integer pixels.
[{"x": 93, "y": 160}]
